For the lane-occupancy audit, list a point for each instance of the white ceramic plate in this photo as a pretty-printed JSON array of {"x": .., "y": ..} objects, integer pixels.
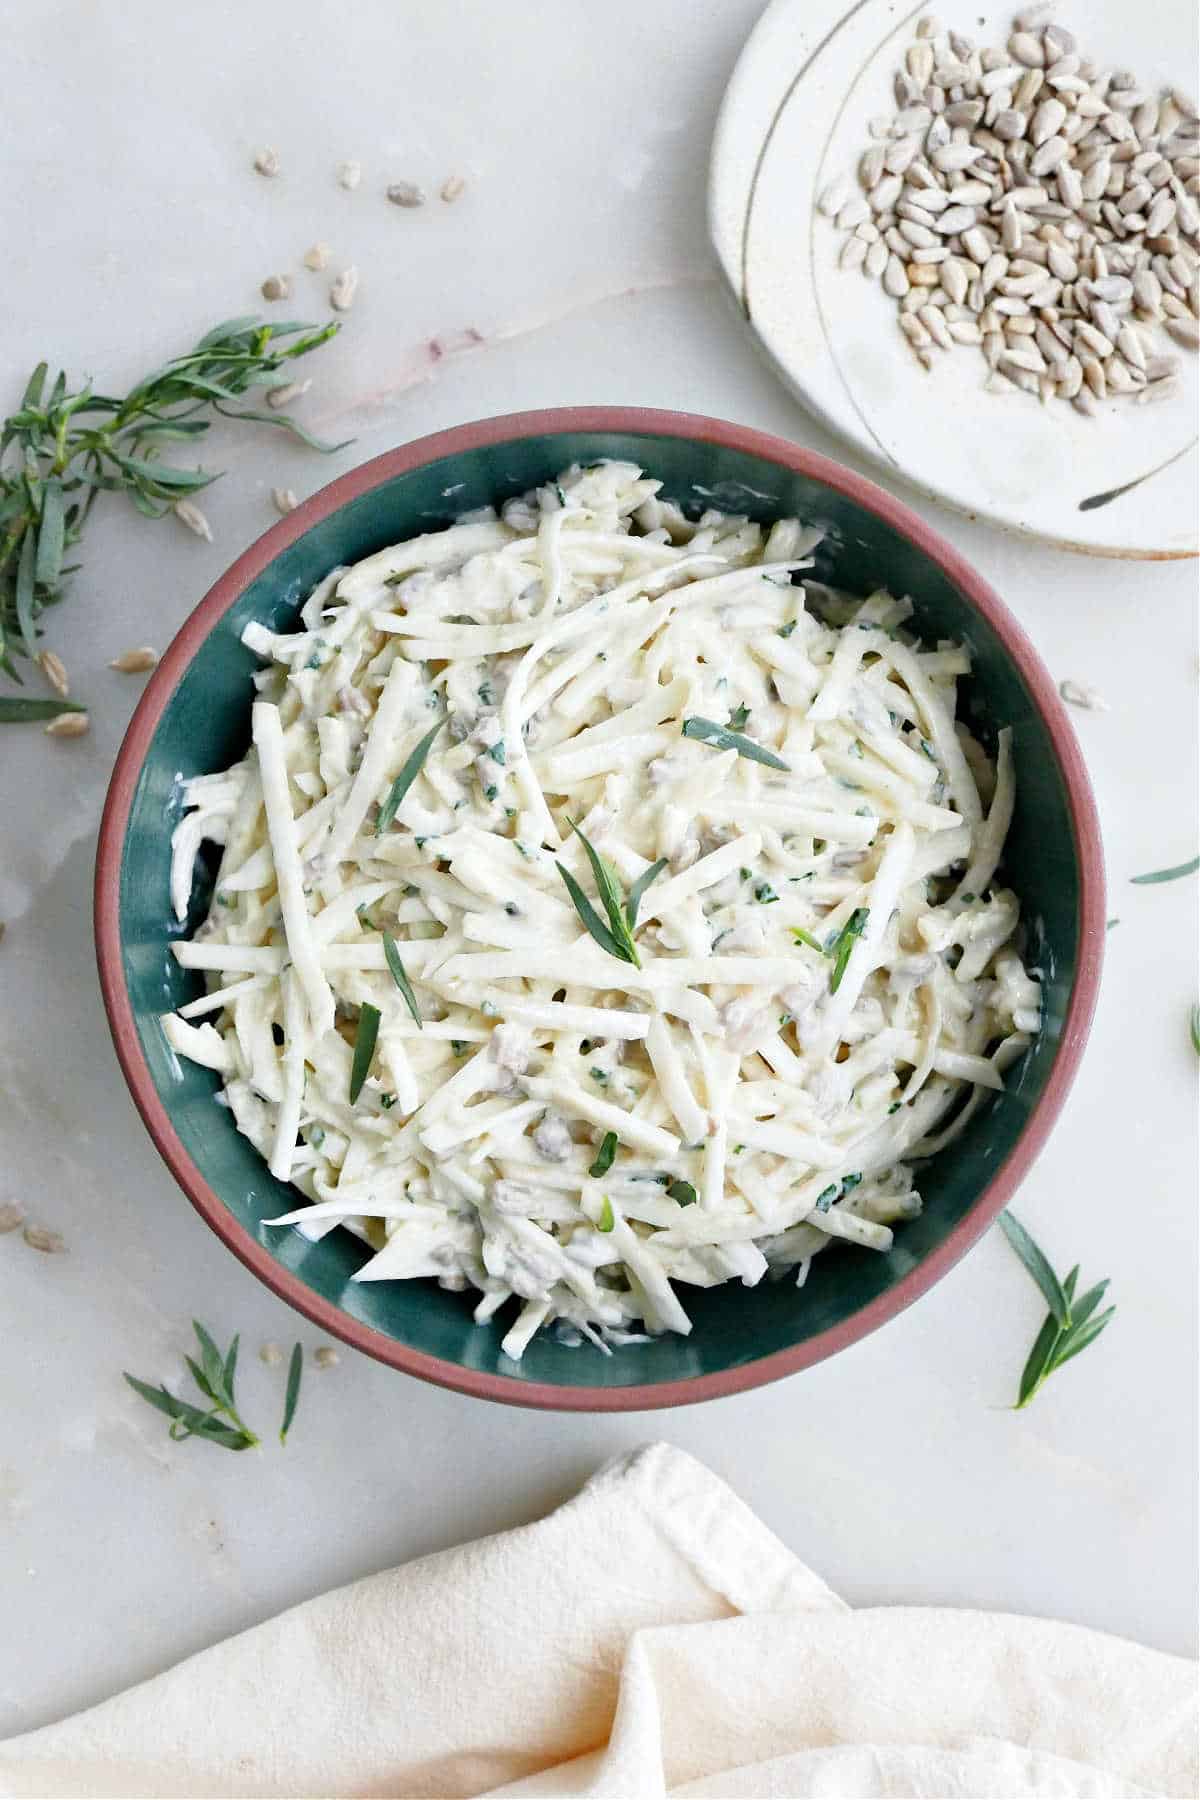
[{"x": 795, "y": 115}]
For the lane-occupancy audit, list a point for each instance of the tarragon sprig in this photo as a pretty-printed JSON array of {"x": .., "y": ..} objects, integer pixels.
[
  {"x": 219, "y": 1422},
  {"x": 1070, "y": 1325},
  {"x": 622, "y": 909},
  {"x": 61, "y": 449}
]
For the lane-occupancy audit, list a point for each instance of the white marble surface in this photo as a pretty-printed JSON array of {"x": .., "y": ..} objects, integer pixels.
[{"x": 131, "y": 222}]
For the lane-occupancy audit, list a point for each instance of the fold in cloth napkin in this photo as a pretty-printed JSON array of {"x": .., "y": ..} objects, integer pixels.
[{"x": 649, "y": 1638}]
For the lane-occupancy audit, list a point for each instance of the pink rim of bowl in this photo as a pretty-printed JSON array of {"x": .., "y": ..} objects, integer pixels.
[{"x": 330, "y": 1318}]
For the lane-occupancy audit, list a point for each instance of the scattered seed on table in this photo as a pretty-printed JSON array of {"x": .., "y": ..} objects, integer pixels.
[
  {"x": 55, "y": 671},
  {"x": 11, "y": 1215},
  {"x": 406, "y": 193},
  {"x": 453, "y": 189},
  {"x": 270, "y": 1353},
  {"x": 344, "y": 289},
  {"x": 326, "y": 1357},
  {"x": 68, "y": 725},
  {"x": 277, "y": 287},
  {"x": 266, "y": 161},
  {"x": 284, "y": 500},
  {"x": 135, "y": 662},
  {"x": 1080, "y": 694},
  {"x": 349, "y": 174},
  {"x": 317, "y": 256},
  {"x": 283, "y": 396},
  {"x": 40, "y": 1237},
  {"x": 189, "y": 514}
]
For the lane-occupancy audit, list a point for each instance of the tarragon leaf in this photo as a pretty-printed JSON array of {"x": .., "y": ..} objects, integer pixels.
[
  {"x": 707, "y": 731},
  {"x": 25, "y": 581},
  {"x": 413, "y": 765},
  {"x": 843, "y": 944},
  {"x": 399, "y": 974},
  {"x": 1180, "y": 869},
  {"x": 604, "y": 1156},
  {"x": 364, "y": 1047},
  {"x": 608, "y": 886},
  {"x": 1039, "y": 1363},
  {"x": 1073, "y": 1342},
  {"x": 634, "y": 897},
  {"x": 51, "y": 533},
  {"x": 23, "y": 712},
  {"x": 295, "y": 1371},
  {"x": 590, "y": 917},
  {"x": 1036, "y": 1263}
]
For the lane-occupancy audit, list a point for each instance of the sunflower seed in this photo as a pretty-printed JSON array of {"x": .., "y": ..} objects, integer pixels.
[
  {"x": 271, "y": 1354},
  {"x": 900, "y": 154},
  {"x": 406, "y": 193},
  {"x": 1025, "y": 48},
  {"x": 895, "y": 281},
  {"x": 349, "y": 174},
  {"x": 1185, "y": 331},
  {"x": 283, "y": 396},
  {"x": 344, "y": 289},
  {"x": 977, "y": 244},
  {"x": 1009, "y": 126},
  {"x": 189, "y": 514},
  {"x": 919, "y": 62},
  {"x": 1105, "y": 320},
  {"x": 1080, "y": 694},
  {"x": 954, "y": 279},
  {"x": 317, "y": 257},
  {"x": 135, "y": 662},
  {"x": 276, "y": 287},
  {"x": 55, "y": 671},
  {"x": 1046, "y": 121},
  {"x": 452, "y": 189},
  {"x": 326, "y": 1357},
  {"x": 914, "y": 331},
  {"x": 11, "y": 1216},
  {"x": 39, "y": 1237},
  {"x": 68, "y": 725},
  {"x": 955, "y": 156},
  {"x": 266, "y": 162},
  {"x": 833, "y": 198},
  {"x": 1071, "y": 379},
  {"x": 1053, "y": 151},
  {"x": 284, "y": 500}
]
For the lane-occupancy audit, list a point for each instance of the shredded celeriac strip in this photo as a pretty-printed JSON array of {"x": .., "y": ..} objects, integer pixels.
[{"x": 828, "y": 982}]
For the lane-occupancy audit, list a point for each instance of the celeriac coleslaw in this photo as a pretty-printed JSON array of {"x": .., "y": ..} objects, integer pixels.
[{"x": 818, "y": 978}]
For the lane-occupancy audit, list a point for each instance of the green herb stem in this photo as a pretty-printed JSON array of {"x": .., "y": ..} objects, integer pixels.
[{"x": 67, "y": 448}]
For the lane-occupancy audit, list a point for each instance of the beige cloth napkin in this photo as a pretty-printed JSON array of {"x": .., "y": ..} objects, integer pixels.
[{"x": 649, "y": 1638}]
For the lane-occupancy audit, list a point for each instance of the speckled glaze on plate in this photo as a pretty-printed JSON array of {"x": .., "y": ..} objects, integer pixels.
[
  {"x": 194, "y": 717},
  {"x": 795, "y": 115}
]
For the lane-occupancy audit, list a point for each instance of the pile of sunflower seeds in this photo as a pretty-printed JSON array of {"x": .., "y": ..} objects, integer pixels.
[{"x": 1029, "y": 202}]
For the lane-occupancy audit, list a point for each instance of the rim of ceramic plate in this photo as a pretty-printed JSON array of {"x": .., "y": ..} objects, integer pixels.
[{"x": 552, "y": 422}]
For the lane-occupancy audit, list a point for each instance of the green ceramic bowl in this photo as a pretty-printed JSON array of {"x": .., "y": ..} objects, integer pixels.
[{"x": 195, "y": 716}]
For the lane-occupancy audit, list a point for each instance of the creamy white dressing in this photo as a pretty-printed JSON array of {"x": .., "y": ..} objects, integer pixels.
[{"x": 828, "y": 967}]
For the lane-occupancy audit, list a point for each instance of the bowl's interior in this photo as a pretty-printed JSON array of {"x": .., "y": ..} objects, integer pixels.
[{"x": 205, "y": 726}]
